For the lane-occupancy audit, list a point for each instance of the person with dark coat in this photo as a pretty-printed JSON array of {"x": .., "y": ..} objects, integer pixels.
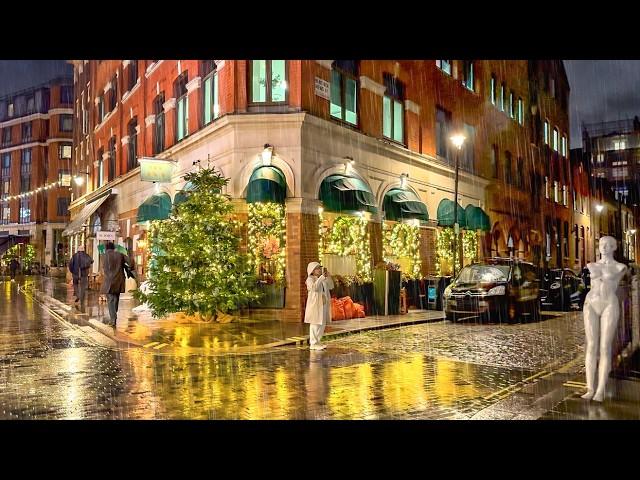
[
  {"x": 13, "y": 267},
  {"x": 79, "y": 266},
  {"x": 114, "y": 279}
]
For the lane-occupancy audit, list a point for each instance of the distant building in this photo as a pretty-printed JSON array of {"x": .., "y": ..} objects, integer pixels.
[{"x": 36, "y": 128}]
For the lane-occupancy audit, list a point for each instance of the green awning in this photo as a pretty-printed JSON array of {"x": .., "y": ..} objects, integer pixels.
[
  {"x": 477, "y": 219},
  {"x": 341, "y": 194},
  {"x": 446, "y": 213},
  {"x": 402, "y": 204},
  {"x": 156, "y": 207},
  {"x": 267, "y": 184},
  {"x": 182, "y": 195}
]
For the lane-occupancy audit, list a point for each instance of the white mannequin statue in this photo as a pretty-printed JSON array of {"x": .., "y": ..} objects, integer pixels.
[{"x": 601, "y": 313}]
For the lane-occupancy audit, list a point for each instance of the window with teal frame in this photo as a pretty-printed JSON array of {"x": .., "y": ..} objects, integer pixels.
[
  {"x": 268, "y": 81},
  {"x": 344, "y": 91},
  {"x": 211, "y": 109}
]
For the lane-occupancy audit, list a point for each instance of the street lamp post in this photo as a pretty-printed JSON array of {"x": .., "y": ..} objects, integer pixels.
[
  {"x": 597, "y": 232},
  {"x": 458, "y": 141}
]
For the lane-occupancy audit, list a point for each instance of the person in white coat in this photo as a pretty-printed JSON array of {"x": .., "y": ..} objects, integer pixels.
[{"x": 318, "y": 310}]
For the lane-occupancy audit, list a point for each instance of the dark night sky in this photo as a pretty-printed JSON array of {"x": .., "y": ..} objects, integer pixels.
[{"x": 600, "y": 89}]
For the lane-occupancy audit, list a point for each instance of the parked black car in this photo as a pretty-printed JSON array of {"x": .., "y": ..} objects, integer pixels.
[
  {"x": 561, "y": 290},
  {"x": 498, "y": 289}
]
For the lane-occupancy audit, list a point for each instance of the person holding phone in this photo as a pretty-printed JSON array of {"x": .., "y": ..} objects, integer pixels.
[{"x": 318, "y": 310}]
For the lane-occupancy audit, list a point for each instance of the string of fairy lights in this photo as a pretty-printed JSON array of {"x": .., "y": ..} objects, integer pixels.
[{"x": 45, "y": 187}]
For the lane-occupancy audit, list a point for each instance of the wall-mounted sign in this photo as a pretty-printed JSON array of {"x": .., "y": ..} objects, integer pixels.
[
  {"x": 323, "y": 88},
  {"x": 102, "y": 235},
  {"x": 157, "y": 170}
]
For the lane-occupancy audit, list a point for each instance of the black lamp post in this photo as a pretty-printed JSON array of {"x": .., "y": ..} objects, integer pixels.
[{"x": 458, "y": 141}]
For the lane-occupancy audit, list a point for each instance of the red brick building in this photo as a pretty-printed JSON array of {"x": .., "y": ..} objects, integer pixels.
[
  {"x": 363, "y": 144},
  {"x": 35, "y": 166}
]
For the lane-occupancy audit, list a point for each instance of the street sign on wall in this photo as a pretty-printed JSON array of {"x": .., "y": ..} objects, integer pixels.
[
  {"x": 106, "y": 236},
  {"x": 323, "y": 88},
  {"x": 156, "y": 170}
]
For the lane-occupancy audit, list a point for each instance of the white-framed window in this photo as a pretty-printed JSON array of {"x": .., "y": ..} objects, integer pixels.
[
  {"x": 492, "y": 90},
  {"x": 520, "y": 111},
  {"x": 344, "y": 91},
  {"x": 564, "y": 146},
  {"x": 211, "y": 109},
  {"x": 546, "y": 188},
  {"x": 444, "y": 65},
  {"x": 619, "y": 144},
  {"x": 502, "y": 90},
  {"x": 393, "y": 109},
  {"x": 546, "y": 132},
  {"x": 555, "y": 140},
  {"x": 512, "y": 110},
  {"x": 556, "y": 191}
]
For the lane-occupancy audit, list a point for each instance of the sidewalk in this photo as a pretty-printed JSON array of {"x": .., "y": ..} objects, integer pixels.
[{"x": 253, "y": 333}]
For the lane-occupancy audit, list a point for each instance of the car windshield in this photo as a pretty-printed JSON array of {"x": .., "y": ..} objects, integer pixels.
[{"x": 484, "y": 274}]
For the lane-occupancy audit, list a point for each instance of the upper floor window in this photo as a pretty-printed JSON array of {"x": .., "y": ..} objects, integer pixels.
[
  {"x": 519, "y": 173},
  {"x": 268, "y": 81},
  {"x": 210, "y": 85},
  {"x": 6, "y": 136},
  {"x": 344, "y": 91},
  {"x": 25, "y": 210},
  {"x": 564, "y": 145},
  {"x": 556, "y": 191},
  {"x": 546, "y": 132},
  {"x": 555, "y": 140},
  {"x": 26, "y": 131},
  {"x": 100, "y": 169},
  {"x": 444, "y": 65},
  {"x": 393, "y": 109},
  {"x": 113, "y": 96},
  {"x": 503, "y": 88},
  {"x": 468, "y": 148},
  {"x": 158, "y": 129},
  {"x": 100, "y": 109},
  {"x": 133, "y": 74},
  {"x": 132, "y": 150},
  {"x": 112, "y": 158},
  {"x": 508, "y": 168},
  {"x": 468, "y": 77},
  {"x": 443, "y": 126},
  {"x": 66, "y": 94},
  {"x": 10, "y": 110},
  {"x": 31, "y": 104},
  {"x": 546, "y": 188},
  {"x": 182, "y": 106},
  {"x": 512, "y": 110},
  {"x": 495, "y": 154},
  {"x": 64, "y": 150},
  {"x": 619, "y": 144},
  {"x": 520, "y": 111},
  {"x": 492, "y": 89},
  {"x": 66, "y": 123},
  {"x": 63, "y": 206}
]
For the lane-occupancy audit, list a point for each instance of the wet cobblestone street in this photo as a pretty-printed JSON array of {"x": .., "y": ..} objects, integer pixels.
[{"x": 429, "y": 371}]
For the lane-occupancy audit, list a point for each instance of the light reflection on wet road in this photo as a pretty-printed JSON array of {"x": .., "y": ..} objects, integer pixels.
[{"x": 440, "y": 370}]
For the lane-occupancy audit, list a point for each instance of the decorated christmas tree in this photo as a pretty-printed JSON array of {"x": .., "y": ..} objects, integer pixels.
[{"x": 197, "y": 266}]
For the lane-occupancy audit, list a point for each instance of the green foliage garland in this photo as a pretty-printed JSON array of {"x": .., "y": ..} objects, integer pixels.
[
  {"x": 350, "y": 236},
  {"x": 403, "y": 240},
  {"x": 267, "y": 239}
]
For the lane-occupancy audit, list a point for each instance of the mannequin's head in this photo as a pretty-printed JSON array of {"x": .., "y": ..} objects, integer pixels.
[{"x": 607, "y": 246}]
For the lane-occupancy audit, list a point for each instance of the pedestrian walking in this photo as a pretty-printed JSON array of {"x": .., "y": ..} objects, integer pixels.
[
  {"x": 79, "y": 266},
  {"x": 13, "y": 268},
  {"x": 114, "y": 279},
  {"x": 318, "y": 310}
]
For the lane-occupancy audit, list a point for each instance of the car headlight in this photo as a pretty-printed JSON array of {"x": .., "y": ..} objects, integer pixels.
[
  {"x": 447, "y": 292},
  {"x": 496, "y": 291},
  {"x": 555, "y": 285}
]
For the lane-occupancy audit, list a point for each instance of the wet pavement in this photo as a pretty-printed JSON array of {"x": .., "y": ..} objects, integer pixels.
[{"x": 50, "y": 370}]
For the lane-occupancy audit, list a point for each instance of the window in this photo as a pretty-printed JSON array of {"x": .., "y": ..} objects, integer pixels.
[
  {"x": 132, "y": 147},
  {"x": 5, "y": 184},
  {"x": 555, "y": 140},
  {"x": 467, "y": 75},
  {"x": 565, "y": 196},
  {"x": 512, "y": 110},
  {"x": 100, "y": 109},
  {"x": 10, "y": 110},
  {"x": 5, "y": 219},
  {"x": 268, "y": 81},
  {"x": 100, "y": 168},
  {"x": 63, "y": 207},
  {"x": 393, "y": 109},
  {"x": 133, "y": 74},
  {"x": 26, "y": 131},
  {"x": 210, "y": 84},
  {"x": 112, "y": 158},
  {"x": 600, "y": 158},
  {"x": 519, "y": 174},
  {"x": 443, "y": 122},
  {"x": 619, "y": 144},
  {"x": 492, "y": 89},
  {"x": 546, "y": 132},
  {"x": 508, "y": 168},
  {"x": 113, "y": 95},
  {"x": 182, "y": 106},
  {"x": 502, "y": 90},
  {"x": 564, "y": 145},
  {"x": 158, "y": 129},
  {"x": 546, "y": 188},
  {"x": 85, "y": 121},
  {"x": 444, "y": 65},
  {"x": 520, "y": 111},
  {"x": 565, "y": 239},
  {"x": 66, "y": 94},
  {"x": 64, "y": 150},
  {"x": 575, "y": 200},
  {"x": 468, "y": 148},
  {"x": 556, "y": 191},
  {"x": 31, "y": 104},
  {"x": 494, "y": 161},
  {"x": 344, "y": 91},
  {"x": 66, "y": 123},
  {"x": 6, "y": 136},
  {"x": 25, "y": 210}
]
